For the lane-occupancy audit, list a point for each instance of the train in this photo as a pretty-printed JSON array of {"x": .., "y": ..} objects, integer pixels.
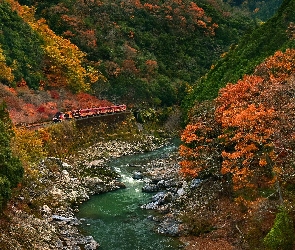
[{"x": 88, "y": 112}]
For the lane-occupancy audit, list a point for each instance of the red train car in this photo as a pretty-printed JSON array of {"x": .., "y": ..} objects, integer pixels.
[{"x": 89, "y": 112}]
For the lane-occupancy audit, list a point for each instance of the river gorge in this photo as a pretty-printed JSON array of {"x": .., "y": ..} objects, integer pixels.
[
  {"x": 116, "y": 219},
  {"x": 115, "y": 194}
]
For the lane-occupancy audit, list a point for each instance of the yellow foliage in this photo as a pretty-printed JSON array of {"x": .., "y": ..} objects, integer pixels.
[
  {"x": 28, "y": 146},
  {"x": 5, "y": 71},
  {"x": 64, "y": 59}
]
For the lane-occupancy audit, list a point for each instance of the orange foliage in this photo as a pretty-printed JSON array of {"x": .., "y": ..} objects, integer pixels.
[
  {"x": 112, "y": 68},
  {"x": 196, "y": 10},
  {"x": 64, "y": 59},
  {"x": 256, "y": 119},
  {"x": 186, "y": 14},
  {"x": 151, "y": 66},
  {"x": 200, "y": 144},
  {"x": 90, "y": 37},
  {"x": 86, "y": 100},
  {"x": 151, "y": 7},
  {"x": 129, "y": 51},
  {"x": 71, "y": 20},
  {"x": 278, "y": 67},
  {"x": 129, "y": 66}
]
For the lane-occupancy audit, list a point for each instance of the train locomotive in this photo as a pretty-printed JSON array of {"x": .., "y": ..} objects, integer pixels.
[{"x": 89, "y": 112}]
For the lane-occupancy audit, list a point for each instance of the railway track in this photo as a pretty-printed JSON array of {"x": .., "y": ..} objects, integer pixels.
[{"x": 35, "y": 126}]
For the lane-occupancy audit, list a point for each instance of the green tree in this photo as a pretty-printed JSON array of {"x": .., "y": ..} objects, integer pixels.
[
  {"x": 281, "y": 235},
  {"x": 11, "y": 170},
  {"x": 21, "y": 48}
]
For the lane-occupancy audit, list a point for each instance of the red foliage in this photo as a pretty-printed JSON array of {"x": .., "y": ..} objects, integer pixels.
[
  {"x": 41, "y": 109},
  {"x": 200, "y": 143},
  {"x": 47, "y": 103},
  {"x": 54, "y": 94},
  {"x": 257, "y": 135},
  {"x": 86, "y": 100},
  {"x": 48, "y": 108}
]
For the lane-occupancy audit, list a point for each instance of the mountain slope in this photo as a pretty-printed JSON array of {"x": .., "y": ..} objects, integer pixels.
[
  {"x": 276, "y": 34},
  {"x": 146, "y": 48}
]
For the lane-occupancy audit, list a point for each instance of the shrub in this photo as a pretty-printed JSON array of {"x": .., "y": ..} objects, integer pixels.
[
  {"x": 4, "y": 190},
  {"x": 281, "y": 235}
]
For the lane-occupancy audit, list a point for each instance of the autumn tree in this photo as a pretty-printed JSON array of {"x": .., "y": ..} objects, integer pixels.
[
  {"x": 63, "y": 59},
  {"x": 247, "y": 128},
  {"x": 257, "y": 118},
  {"x": 5, "y": 71},
  {"x": 256, "y": 136},
  {"x": 29, "y": 146},
  {"x": 200, "y": 147}
]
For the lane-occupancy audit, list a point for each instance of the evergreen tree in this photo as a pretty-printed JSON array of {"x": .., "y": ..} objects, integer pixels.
[{"x": 11, "y": 170}]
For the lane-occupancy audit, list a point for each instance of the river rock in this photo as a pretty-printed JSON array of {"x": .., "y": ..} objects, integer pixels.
[
  {"x": 195, "y": 183},
  {"x": 66, "y": 175},
  {"x": 70, "y": 220},
  {"x": 180, "y": 191},
  {"x": 158, "y": 197},
  {"x": 159, "y": 201},
  {"x": 169, "y": 227},
  {"x": 150, "y": 188},
  {"x": 137, "y": 175},
  {"x": 91, "y": 244},
  {"x": 61, "y": 186},
  {"x": 46, "y": 210}
]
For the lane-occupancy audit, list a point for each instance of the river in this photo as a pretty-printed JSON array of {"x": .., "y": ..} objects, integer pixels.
[{"x": 115, "y": 219}]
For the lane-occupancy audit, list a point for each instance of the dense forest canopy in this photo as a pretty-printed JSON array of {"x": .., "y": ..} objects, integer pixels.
[
  {"x": 229, "y": 63},
  {"x": 276, "y": 34},
  {"x": 240, "y": 130},
  {"x": 149, "y": 51}
]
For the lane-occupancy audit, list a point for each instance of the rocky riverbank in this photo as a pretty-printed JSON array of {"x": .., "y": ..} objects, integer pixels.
[
  {"x": 42, "y": 213},
  {"x": 162, "y": 178}
]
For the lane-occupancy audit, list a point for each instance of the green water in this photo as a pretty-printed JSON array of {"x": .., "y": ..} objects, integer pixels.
[{"x": 115, "y": 219}]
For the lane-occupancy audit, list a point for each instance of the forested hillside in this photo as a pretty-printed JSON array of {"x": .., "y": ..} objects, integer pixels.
[
  {"x": 271, "y": 36},
  {"x": 140, "y": 53},
  {"x": 231, "y": 68},
  {"x": 149, "y": 52},
  {"x": 240, "y": 135}
]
